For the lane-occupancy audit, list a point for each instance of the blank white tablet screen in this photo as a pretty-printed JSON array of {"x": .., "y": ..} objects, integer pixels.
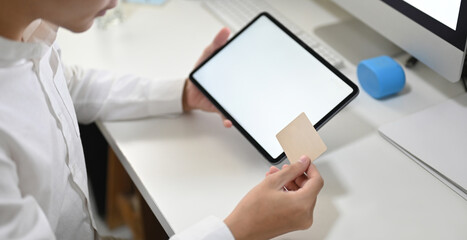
[{"x": 264, "y": 79}]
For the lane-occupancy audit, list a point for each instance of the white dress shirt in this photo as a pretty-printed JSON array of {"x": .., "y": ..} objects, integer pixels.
[{"x": 43, "y": 180}]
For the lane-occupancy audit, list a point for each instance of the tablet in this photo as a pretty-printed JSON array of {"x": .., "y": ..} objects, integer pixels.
[{"x": 264, "y": 77}]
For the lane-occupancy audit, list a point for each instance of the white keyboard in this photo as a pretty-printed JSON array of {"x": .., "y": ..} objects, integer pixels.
[{"x": 237, "y": 13}]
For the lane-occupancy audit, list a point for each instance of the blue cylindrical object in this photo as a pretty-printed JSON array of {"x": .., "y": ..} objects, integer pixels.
[{"x": 381, "y": 76}]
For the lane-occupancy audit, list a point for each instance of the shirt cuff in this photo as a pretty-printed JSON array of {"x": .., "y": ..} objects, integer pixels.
[
  {"x": 211, "y": 228},
  {"x": 165, "y": 96}
]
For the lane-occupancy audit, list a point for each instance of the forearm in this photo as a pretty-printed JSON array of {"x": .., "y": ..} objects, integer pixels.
[{"x": 102, "y": 95}]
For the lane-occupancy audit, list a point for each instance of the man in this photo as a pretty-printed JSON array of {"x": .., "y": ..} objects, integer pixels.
[{"x": 43, "y": 182}]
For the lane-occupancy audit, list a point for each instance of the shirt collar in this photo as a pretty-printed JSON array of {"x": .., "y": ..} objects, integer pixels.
[{"x": 37, "y": 40}]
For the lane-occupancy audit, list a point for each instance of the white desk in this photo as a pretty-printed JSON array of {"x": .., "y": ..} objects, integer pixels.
[{"x": 188, "y": 167}]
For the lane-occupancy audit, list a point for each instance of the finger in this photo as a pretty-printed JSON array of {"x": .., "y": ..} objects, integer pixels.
[
  {"x": 312, "y": 172},
  {"x": 315, "y": 182},
  {"x": 227, "y": 123},
  {"x": 211, "y": 108},
  {"x": 272, "y": 170},
  {"x": 291, "y": 185},
  {"x": 300, "y": 181},
  {"x": 220, "y": 39},
  {"x": 290, "y": 173}
]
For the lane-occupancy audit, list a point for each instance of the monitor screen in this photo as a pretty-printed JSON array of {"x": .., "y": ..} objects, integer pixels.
[
  {"x": 443, "y": 18},
  {"x": 445, "y": 12}
]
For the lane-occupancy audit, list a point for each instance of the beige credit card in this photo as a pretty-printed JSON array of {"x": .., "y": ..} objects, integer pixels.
[{"x": 301, "y": 138}]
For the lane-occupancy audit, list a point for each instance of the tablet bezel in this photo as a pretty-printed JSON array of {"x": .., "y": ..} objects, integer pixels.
[{"x": 318, "y": 125}]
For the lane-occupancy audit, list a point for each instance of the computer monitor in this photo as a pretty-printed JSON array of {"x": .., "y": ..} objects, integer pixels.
[{"x": 433, "y": 31}]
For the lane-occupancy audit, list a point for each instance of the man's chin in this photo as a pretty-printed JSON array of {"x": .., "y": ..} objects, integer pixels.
[{"x": 79, "y": 28}]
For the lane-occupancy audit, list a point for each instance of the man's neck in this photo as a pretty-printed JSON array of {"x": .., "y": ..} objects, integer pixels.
[{"x": 13, "y": 19}]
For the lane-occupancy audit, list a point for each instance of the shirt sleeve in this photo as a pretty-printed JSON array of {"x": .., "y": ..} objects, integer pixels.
[
  {"x": 21, "y": 217},
  {"x": 101, "y": 95},
  {"x": 211, "y": 228}
]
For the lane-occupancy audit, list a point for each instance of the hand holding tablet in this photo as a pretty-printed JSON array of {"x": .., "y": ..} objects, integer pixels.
[{"x": 264, "y": 77}]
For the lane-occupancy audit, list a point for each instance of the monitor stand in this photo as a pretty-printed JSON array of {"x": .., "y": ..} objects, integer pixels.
[
  {"x": 464, "y": 75},
  {"x": 355, "y": 41}
]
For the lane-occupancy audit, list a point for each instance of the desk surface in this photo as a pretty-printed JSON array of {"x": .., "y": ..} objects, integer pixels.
[{"x": 188, "y": 167}]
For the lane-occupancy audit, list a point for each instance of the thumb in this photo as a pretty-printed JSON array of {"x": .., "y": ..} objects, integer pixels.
[
  {"x": 292, "y": 172},
  {"x": 221, "y": 38}
]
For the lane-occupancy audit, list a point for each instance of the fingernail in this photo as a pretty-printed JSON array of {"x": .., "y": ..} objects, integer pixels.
[{"x": 303, "y": 159}]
